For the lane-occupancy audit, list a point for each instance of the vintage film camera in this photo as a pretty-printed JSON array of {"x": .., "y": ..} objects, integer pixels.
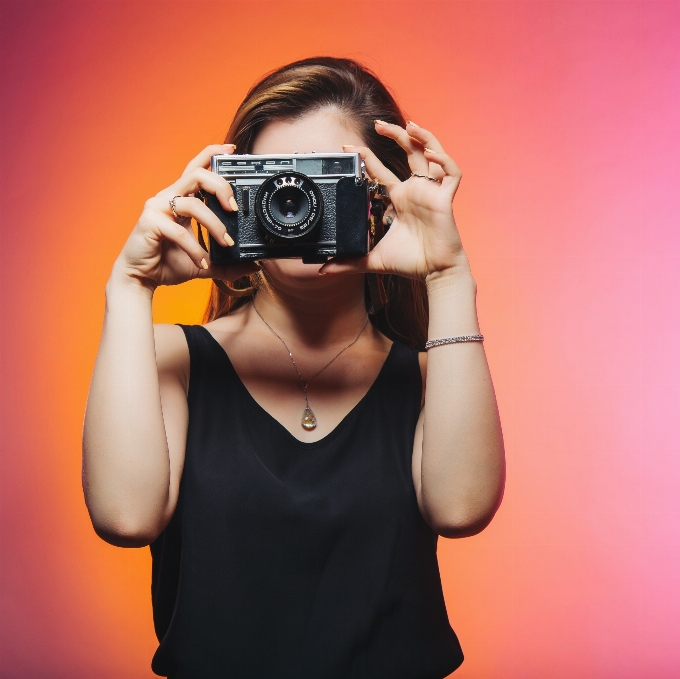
[{"x": 309, "y": 205}]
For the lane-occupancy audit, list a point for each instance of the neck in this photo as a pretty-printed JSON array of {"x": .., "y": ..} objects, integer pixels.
[{"x": 317, "y": 316}]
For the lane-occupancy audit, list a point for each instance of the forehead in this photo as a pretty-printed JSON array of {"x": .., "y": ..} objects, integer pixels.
[{"x": 322, "y": 131}]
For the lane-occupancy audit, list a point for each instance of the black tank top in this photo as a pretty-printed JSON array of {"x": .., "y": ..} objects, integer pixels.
[{"x": 297, "y": 560}]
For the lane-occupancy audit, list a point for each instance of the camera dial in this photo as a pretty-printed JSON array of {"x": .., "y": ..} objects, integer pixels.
[{"x": 289, "y": 205}]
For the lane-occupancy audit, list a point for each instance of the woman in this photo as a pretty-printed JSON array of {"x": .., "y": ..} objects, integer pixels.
[{"x": 283, "y": 460}]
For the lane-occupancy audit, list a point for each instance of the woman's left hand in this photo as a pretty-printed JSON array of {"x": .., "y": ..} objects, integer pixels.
[{"x": 422, "y": 240}]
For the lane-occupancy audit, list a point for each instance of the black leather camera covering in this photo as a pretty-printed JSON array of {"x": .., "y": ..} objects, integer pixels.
[{"x": 342, "y": 231}]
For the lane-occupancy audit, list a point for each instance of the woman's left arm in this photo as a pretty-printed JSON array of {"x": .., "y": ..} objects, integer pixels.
[{"x": 458, "y": 457}]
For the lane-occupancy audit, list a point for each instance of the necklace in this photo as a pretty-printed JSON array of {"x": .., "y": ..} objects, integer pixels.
[{"x": 308, "y": 416}]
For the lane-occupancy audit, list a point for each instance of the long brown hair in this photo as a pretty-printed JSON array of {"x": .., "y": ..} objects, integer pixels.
[{"x": 295, "y": 90}]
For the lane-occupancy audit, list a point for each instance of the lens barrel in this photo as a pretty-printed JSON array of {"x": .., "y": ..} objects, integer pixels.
[{"x": 289, "y": 205}]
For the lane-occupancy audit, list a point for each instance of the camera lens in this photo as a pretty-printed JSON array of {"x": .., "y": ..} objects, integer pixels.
[
  {"x": 290, "y": 208},
  {"x": 289, "y": 205}
]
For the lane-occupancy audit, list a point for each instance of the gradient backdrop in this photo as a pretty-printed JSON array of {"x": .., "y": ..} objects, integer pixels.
[{"x": 565, "y": 119}]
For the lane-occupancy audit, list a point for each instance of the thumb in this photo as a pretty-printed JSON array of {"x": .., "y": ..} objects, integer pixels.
[
  {"x": 368, "y": 264},
  {"x": 229, "y": 272},
  {"x": 345, "y": 265}
]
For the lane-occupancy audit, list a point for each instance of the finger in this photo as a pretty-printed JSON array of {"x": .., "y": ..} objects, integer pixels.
[
  {"x": 413, "y": 148},
  {"x": 424, "y": 137},
  {"x": 184, "y": 239},
  {"x": 372, "y": 262},
  {"x": 436, "y": 172},
  {"x": 203, "y": 158},
  {"x": 353, "y": 265},
  {"x": 445, "y": 162},
  {"x": 433, "y": 150},
  {"x": 376, "y": 170},
  {"x": 200, "y": 178},
  {"x": 193, "y": 207}
]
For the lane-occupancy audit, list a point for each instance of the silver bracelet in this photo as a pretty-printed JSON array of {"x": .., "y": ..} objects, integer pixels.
[{"x": 453, "y": 340}]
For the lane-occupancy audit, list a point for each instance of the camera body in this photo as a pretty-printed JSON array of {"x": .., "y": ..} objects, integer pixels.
[{"x": 309, "y": 205}]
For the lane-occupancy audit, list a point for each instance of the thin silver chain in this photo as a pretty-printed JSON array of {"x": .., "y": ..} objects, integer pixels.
[{"x": 304, "y": 383}]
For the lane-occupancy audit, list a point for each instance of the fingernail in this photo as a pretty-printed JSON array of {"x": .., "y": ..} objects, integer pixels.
[
  {"x": 348, "y": 146},
  {"x": 231, "y": 145},
  {"x": 228, "y": 239},
  {"x": 204, "y": 264},
  {"x": 410, "y": 122},
  {"x": 380, "y": 122},
  {"x": 233, "y": 204},
  {"x": 429, "y": 150}
]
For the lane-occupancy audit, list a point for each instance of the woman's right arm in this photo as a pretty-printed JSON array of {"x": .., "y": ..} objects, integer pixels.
[
  {"x": 137, "y": 415},
  {"x": 134, "y": 434}
]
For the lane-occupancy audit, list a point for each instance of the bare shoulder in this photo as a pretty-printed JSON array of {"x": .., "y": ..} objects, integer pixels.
[
  {"x": 226, "y": 327},
  {"x": 172, "y": 352}
]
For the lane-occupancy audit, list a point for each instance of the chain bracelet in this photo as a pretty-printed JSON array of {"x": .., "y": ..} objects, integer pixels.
[{"x": 453, "y": 340}]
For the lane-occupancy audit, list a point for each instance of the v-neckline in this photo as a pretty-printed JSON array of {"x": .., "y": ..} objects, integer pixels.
[{"x": 305, "y": 444}]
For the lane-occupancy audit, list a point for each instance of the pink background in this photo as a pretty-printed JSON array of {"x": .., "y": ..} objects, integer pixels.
[{"x": 564, "y": 118}]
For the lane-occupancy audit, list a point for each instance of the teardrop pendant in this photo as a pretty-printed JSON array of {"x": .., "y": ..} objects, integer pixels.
[{"x": 308, "y": 419}]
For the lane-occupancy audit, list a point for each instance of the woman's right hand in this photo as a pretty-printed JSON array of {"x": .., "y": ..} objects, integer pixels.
[{"x": 162, "y": 249}]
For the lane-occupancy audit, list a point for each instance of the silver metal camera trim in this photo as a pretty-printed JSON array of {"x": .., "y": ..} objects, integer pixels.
[{"x": 358, "y": 174}]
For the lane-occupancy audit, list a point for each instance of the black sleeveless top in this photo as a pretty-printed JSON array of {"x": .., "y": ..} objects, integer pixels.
[{"x": 293, "y": 560}]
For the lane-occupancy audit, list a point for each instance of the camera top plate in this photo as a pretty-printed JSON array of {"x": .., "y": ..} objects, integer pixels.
[{"x": 317, "y": 165}]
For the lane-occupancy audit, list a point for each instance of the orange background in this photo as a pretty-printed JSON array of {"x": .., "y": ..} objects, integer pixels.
[{"x": 564, "y": 118}]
